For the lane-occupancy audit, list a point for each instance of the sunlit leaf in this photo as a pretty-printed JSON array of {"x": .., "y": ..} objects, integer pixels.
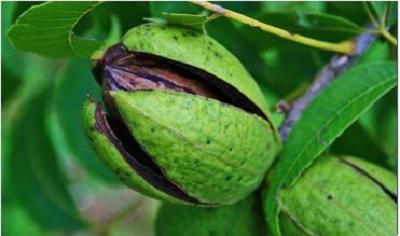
[{"x": 47, "y": 29}]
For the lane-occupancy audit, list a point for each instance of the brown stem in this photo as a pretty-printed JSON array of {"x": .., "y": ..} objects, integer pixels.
[{"x": 338, "y": 64}]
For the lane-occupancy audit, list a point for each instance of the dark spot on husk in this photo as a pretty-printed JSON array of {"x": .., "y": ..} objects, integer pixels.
[
  {"x": 351, "y": 224},
  {"x": 335, "y": 221},
  {"x": 217, "y": 55},
  {"x": 268, "y": 145}
]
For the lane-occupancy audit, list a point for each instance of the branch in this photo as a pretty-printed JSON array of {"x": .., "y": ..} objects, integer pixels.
[
  {"x": 337, "y": 65},
  {"x": 345, "y": 47}
]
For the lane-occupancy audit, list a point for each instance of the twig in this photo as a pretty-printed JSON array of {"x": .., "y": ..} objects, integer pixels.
[
  {"x": 325, "y": 76},
  {"x": 346, "y": 47}
]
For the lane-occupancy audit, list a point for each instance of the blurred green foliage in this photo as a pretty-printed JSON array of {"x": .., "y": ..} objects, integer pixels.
[
  {"x": 53, "y": 183},
  {"x": 178, "y": 220}
]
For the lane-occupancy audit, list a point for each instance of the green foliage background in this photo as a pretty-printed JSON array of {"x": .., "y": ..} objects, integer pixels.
[{"x": 51, "y": 180}]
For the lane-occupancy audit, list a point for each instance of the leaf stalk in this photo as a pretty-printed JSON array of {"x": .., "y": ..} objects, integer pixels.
[{"x": 345, "y": 47}]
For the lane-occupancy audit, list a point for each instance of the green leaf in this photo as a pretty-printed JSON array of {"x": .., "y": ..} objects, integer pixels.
[
  {"x": 304, "y": 6},
  {"x": 365, "y": 147},
  {"x": 285, "y": 75},
  {"x": 392, "y": 14},
  {"x": 281, "y": 58},
  {"x": 241, "y": 219},
  {"x": 193, "y": 21},
  {"x": 73, "y": 85},
  {"x": 380, "y": 122},
  {"x": 323, "y": 120},
  {"x": 47, "y": 29},
  {"x": 36, "y": 180},
  {"x": 128, "y": 14},
  {"x": 375, "y": 131},
  {"x": 379, "y": 51},
  {"x": 157, "y": 8},
  {"x": 353, "y": 11},
  {"x": 240, "y": 48},
  {"x": 7, "y": 12},
  {"x": 31, "y": 85},
  {"x": 114, "y": 37},
  {"x": 19, "y": 222},
  {"x": 249, "y": 8},
  {"x": 379, "y": 8},
  {"x": 9, "y": 57},
  {"x": 33, "y": 178},
  {"x": 115, "y": 32},
  {"x": 386, "y": 12}
]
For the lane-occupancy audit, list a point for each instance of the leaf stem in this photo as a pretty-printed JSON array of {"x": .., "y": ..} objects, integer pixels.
[
  {"x": 345, "y": 47},
  {"x": 381, "y": 26},
  {"x": 388, "y": 36}
]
